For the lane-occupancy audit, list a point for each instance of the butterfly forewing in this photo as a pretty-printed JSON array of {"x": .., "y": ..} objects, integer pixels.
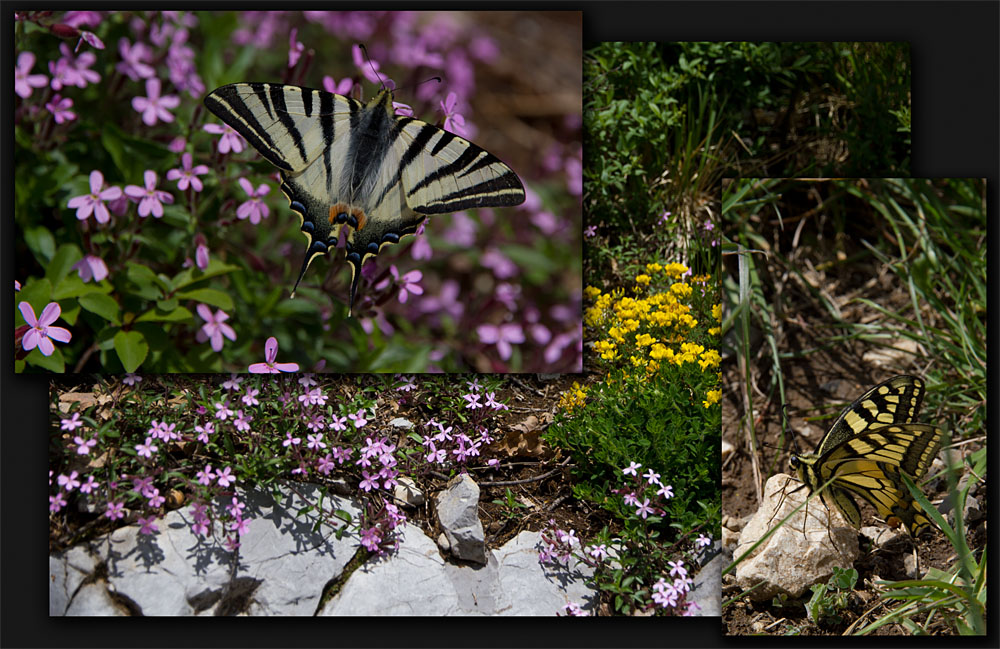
[{"x": 896, "y": 401}]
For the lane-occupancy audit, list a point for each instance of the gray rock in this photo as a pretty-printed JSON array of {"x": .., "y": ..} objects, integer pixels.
[
  {"x": 407, "y": 492},
  {"x": 458, "y": 514},
  {"x": 802, "y": 552}
]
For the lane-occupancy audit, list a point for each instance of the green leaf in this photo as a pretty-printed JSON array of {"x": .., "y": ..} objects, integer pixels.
[
  {"x": 54, "y": 363},
  {"x": 41, "y": 243},
  {"x": 167, "y": 305},
  {"x": 132, "y": 349},
  {"x": 211, "y": 296},
  {"x": 180, "y": 314},
  {"x": 72, "y": 286},
  {"x": 103, "y": 305},
  {"x": 194, "y": 274},
  {"x": 61, "y": 263},
  {"x": 148, "y": 285}
]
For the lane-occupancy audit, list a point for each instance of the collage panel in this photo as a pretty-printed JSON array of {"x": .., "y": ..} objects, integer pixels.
[
  {"x": 854, "y": 446},
  {"x": 342, "y": 191}
]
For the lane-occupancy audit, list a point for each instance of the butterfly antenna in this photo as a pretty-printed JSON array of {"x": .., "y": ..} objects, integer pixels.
[
  {"x": 788, "y": 424},
  {"x": 364, "y": 50}
]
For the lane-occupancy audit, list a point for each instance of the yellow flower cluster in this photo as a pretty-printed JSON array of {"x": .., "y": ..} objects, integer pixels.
[
  {"x": 652, "y": 329},
  {"x": 712, "y": 397},
  {"x": 575, "y": 397}
]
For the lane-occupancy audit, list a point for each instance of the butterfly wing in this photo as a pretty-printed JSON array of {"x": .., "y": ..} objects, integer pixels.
[
  {"x": 306, "y": 134},
  {"x": 895, "y": 401},
  {"x": 869, "y": 465},
  {"x": 425, "y": 170}
]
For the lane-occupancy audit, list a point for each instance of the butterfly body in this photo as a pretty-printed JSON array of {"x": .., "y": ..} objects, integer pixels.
[
  {"x": 868, "y": 447},
  {"x": 344, "y": 163}
]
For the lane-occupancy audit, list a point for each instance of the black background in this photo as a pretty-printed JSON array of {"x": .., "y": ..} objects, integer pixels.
[{"x": 955, "y": 48}]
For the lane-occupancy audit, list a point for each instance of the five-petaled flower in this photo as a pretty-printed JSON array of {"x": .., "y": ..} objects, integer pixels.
[
  {"x": 255, "y": 208},
  {"x": 215, "y": 327},
  {"x": 41, "y": 334},
  {"x": 24, "y": 81},
  {"x": 153, "y": 106},
  {"x": 187, "y": 175},
  {"x": 93, "y": 203},
  {"x": 150, "y": 198},
  {"x": 408, "y": 283}
]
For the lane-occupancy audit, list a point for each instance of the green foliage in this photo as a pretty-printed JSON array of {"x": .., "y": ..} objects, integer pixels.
[
  {"x": 829, "y": 599},
  {"x": 658, "y": 118},
  {"x": 659, "y": 423}
]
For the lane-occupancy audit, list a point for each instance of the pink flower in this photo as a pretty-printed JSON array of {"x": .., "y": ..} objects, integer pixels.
[
  {"x": 502, "y": 336},
  {"x": 341, "y": 88},
  {"x": 201, "y": 256},
  {"x": 150, "y": 199},
  {"x": 230, "y": 140},
  {"x": 186, "y": 175},
  {"x": 269, "y": 366},
  {"x": 91, "y": 268},
  {"x": 24, "y": 81},
  {"x": 153, "y": 106},
  {"x": 134, "y": 58},
  {"x": 215, "y": 327},
  {"x": 254, "y": 208},
  {"x": 295, "y": 48},
  {"x": 407, "y": 283},
  {"x": 60, "y": 106},
  {"x": 452, "y": 120},
  {"x": 93, "y": 203},
  {"x": 41, "y": 334}
]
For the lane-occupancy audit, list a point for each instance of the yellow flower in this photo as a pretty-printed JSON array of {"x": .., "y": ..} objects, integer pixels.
[
  {"x": 644, "y": 340},
  {"x": 573, "y": 398},
  {"x": 713, "y": 396},
  {"x": 675, "y": 270},
  {"x": 604, "y": 346},
  {"x": 709, "y": 358},
  {"x": 616, "y": 333},
  {"x": 680, "y": 289},
  {"x": 654, "y": 267},
  {"x": 591, "y": 292},
  {"x": 659, "y": 351},
  {"x": 717, "y": 312},
  {"x": 642, "y": 279},
  {"x": 638, "y": 362}
]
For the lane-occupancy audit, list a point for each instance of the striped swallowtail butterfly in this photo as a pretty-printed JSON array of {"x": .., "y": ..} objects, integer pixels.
[
  {"x": 870, "y": 444},
  {"x": 360, "y": 165}
]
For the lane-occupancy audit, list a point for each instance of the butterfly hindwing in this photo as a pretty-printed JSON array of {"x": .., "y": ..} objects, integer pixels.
[{"x": 360, "y": 165}]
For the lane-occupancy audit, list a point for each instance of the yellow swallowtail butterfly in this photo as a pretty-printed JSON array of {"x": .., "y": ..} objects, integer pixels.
[{"x": 872, "y": 442}]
